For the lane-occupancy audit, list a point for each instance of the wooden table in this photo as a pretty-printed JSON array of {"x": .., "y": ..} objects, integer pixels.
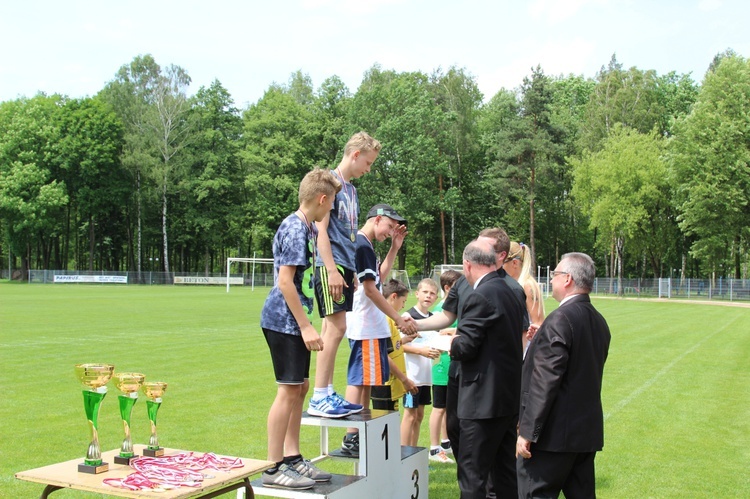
[{"x": 66, "y": 475}]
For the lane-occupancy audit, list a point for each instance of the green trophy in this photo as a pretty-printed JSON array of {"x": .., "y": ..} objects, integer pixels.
[
  {"x": 95, "y": 377},
  {"x": 128, "y": 384},
  {"x": 153, "y": 390}
]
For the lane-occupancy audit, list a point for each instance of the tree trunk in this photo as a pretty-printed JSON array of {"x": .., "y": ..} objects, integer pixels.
[
  {"x": 620, "y": 244},
  {"x": 442, "y": 220},
  {"x": 91, "y": 242},
  {"x": 138, "y": 215},
  {"x": 164, "y": 224}
]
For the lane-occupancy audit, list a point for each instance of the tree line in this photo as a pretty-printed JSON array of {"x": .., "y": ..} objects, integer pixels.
[{"x": 648, "y": 173}]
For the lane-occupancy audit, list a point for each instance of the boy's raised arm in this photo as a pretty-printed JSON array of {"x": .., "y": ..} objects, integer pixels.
[{"x": 397, "y": 240}]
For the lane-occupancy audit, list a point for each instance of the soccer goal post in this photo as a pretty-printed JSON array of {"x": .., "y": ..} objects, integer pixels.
[
  {"x": 253, "y": 261},
  {"x": 401, "y": 275},
  {"x": 439, "y": 269}
]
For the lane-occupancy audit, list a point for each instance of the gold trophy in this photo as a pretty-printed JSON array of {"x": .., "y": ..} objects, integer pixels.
[
  {"x": 128, "y": 384},
  {"x": 153, "y": 390},
  {"x": 95, "y": 377}
]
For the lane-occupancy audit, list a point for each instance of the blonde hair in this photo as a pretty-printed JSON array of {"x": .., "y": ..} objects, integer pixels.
[
  {"x": 318, "y": 181},
  {"x": 522, "y": 252},
  {"x": 427, "y": 282},
  {"x": 363, "y": 142}
]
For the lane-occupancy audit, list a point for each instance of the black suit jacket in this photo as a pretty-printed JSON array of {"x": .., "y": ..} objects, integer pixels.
[
  {"x": 561, "y": 407},
  {"x": 488, "y": 346}
]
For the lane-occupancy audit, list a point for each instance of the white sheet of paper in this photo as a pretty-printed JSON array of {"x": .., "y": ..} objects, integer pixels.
[{"x": 435, "y": 340}]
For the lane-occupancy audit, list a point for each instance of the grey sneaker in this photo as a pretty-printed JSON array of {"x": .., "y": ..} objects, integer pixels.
[
  {"x": 287, "y": 477},
  {"x": 308, "y": 469},
  {"x": 350, "y": 445}
]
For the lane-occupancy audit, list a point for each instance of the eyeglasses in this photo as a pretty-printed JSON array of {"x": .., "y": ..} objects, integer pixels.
[{"x": 553, "y": 273}]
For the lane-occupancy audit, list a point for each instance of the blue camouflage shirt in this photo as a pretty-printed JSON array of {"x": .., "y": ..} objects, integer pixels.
[{"x": 293, "y": 245}]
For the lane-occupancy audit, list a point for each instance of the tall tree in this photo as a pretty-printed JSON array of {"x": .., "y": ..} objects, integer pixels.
[
  {"x": 523, "y": 153},
  {"x": 392, "y": 106},
  {"x": 629, "y": 97},
  {"x": 274, "y": 154},
  {"x": 625, "y": 191},
  {"x": 170, "y": 126},
  {"x": 213, "y": 185},
  {"x": 88, "y": 152},
  {"x": 130, "y": 93},
  {"x": 460, "y": 100},
  {"x": 31, "y": 200},
  {"x": 710, "y": 158}
]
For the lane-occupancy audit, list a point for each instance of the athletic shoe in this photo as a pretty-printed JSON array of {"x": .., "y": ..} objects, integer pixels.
[
  {"x": 287, "y": 477},
  {"x": 447, "y": 450},
  {"x": 352, "y": 408},
  {"x": 327, "y": 407},
  {"x": 308, "y": 469},
  {"x": 350, "y": 445},
  {"x": 440, "y": 457}
]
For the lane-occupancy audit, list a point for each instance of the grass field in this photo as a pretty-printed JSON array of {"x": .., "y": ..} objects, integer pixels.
[{"x": 676, "y": 385}]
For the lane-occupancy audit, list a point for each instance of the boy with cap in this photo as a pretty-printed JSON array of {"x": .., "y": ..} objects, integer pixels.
[{"x": 367, "y": 324}]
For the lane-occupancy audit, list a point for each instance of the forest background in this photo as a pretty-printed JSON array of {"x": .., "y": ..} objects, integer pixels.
[{"x": 646, "y": 172}]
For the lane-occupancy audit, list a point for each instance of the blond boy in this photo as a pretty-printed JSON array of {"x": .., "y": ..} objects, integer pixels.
[
  {"x": 419, "y": 357},
  {"x": 285, "y": 320},
  {"x": 335, "y": 273}
]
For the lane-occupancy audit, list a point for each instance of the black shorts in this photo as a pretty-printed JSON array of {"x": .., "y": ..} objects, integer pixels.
[
  {"x": 290, "y": 357},
  {"x": 422, "y": 398},
  {"x": 439, "y": 394},
  {"x": 381, "y": 398},
  {"x": 326, "y": 305}
]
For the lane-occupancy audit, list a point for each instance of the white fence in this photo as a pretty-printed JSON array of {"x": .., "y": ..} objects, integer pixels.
[{"x": 691, "y": 289}]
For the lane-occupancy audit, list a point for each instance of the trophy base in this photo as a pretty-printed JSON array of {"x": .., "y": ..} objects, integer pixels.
[
  {"x": 93, "y": 469},
  {"x": 125, "y": 460},
  {"x": 153, "y": 452}
]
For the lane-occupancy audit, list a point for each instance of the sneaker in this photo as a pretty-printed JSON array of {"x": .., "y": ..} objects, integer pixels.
[
  {"x": 352, "y": 408},
  {"x": 350, "y": 445},
  {"x": 440, "y": 457},
  {"x": 287, "y": 477},
  {"x": 308, "y": 469},
  {"x": 447, "y": 450},
  {"x": 326, "y": 407}
]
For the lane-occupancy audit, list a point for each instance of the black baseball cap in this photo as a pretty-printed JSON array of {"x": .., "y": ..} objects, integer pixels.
[{"x": 386, "y": 211}]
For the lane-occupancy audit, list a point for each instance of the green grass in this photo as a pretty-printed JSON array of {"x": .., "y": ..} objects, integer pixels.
[{"x": 676, "y": 387}]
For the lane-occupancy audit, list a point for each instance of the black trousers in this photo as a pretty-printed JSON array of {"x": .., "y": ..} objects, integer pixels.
[
  {"x": 452, "y": 426},
  {"x": 547, "y": 474},
  {"x": 487, "y": 448}
]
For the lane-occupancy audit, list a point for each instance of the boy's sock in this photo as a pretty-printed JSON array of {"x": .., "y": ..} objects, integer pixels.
[
  {"x": 434, "y": 449},
  {"x": 319, "y": 393},
  {"x": 330, "y": 390},
  {"x": 292, "y": 460},
  {"x": 445, "y": 444},
  {"x": 273, "y": 470}
]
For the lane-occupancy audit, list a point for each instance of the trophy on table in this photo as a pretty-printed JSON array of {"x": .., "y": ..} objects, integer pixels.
[
  {"x": 153, "y": 390},
  {"x": 128, "y": 384},
  {"x": 95, "y": 377}
]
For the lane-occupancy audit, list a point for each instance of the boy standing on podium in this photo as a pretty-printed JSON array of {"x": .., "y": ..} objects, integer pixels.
[{"x": 285, "y": 320}]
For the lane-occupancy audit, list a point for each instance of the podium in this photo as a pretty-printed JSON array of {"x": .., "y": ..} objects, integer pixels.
[{"x": 384, "y": 469}]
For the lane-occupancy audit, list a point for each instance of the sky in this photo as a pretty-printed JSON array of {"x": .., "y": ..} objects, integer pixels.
[{"x": 75, "y": 47}]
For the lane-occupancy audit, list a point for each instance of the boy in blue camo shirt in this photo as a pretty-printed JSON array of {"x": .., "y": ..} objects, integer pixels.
[{"x": 285, "y": 320}]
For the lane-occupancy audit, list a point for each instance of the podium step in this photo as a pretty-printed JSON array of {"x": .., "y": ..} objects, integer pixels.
[
  {"x": 354, "y": 420},
  {"x": 323, "y": 490}
]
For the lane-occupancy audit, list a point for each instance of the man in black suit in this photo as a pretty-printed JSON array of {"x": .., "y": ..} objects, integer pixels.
[
  {"x": 489, "y": 349},
  {"x": 561, "y": 424}
]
